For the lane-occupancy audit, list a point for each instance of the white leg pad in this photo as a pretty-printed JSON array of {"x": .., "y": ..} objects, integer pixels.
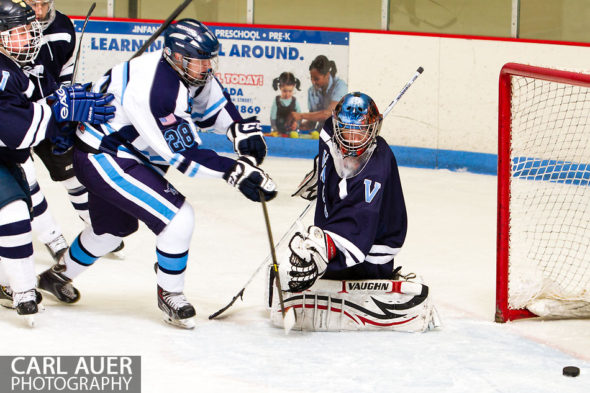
[{"x": 360, "y": 305}]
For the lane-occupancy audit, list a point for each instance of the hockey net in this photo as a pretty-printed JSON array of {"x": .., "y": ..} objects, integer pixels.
[{"x": 543, "y": 238}]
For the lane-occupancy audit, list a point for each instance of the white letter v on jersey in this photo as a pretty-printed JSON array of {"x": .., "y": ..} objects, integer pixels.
[{"x": 370, "y": 194}]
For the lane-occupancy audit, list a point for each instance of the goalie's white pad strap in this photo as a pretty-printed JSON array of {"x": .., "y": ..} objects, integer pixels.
[{"x": 332, "y": 305}]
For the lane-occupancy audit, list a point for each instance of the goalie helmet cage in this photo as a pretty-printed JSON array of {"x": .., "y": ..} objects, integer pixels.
[{"x": 543, "y": 228}]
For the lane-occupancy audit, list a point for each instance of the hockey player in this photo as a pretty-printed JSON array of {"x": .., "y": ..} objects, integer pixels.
[
  {"x": 52, "y": 68},
  {"x": 359, "y": 226},
  {"x": 26, "y": 122},
  {"x": 360, "y": 218},
  {"x": 160, "y": 97}
]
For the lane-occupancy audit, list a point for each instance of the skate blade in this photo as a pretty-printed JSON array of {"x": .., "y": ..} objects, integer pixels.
[
  {"x": 289, "y": 320},
  {"x": 29, "y": 320},
  {"x": 435, "y": 321},
  {"x": 188, "y": 323},
  {"x": 7, "y": 305}
]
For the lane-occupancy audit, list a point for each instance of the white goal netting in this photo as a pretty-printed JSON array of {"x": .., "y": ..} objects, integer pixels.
[{"x": 549, "y": 240}]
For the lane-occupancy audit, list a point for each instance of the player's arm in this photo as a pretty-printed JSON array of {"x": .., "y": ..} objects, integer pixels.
[
  {"x": 31, "y": 122},
  {"x": 220, "y": 115}
]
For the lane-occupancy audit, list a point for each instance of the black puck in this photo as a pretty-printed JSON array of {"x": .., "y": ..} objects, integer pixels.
[{"x": 571, "y": 371}]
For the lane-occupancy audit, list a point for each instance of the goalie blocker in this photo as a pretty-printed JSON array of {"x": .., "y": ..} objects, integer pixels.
[{"x": 334, "y": 305}]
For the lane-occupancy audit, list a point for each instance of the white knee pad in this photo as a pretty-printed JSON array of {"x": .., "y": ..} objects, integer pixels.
[
  {"x": 176, "y": 237},
  {"x": 98, "y": 245},
  {"x": 14, "y": 212}
]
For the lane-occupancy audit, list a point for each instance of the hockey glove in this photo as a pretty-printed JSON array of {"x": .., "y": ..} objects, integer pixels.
[
  {"x": 64, "y": 140},
  {"x": 310, "y": 254},
  {"x": 249, "y": 179},
  {"x": 75, "y": 103},
  {"x": 246, "y": 135}
]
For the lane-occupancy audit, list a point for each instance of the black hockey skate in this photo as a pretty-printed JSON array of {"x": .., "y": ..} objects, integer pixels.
[
  {"x": 60, "y": 286},
  {"x": 7, "y": 301},
  {"x": 57, "y": 248},
  {"x": 25, "y": 304},
  {"x": 177, "y": 310},
  {"x": 5, "y": 296}
]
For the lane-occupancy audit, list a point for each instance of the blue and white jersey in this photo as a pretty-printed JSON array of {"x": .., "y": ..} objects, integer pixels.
[
  {"x": 365, "y": 215},
  {"x": 157, "y": 116},
  {"x": 24, "y": 122}
]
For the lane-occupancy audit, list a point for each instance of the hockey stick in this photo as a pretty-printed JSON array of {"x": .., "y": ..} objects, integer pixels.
[
  {"x": 288, "y": 315},
  {"x": 76, "y": 60},
  {"x": 403, "y": 91},
  {"x": 240, "y": 294},
  {"x": 162, "y": 27}
]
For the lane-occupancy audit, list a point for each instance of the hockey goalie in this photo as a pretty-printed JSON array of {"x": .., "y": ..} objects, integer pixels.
[{"x": 338, "y": 274}]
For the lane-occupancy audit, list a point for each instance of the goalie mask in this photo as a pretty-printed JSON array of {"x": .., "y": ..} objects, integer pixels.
[
  {"x": 44, "y": 11},
  {"x": 191, "y": 49},
  {"x": 20, "y": 33},
  {"x": 357, "y": 123}
]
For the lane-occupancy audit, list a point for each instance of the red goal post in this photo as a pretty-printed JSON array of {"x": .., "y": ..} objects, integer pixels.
[{"x": 543, "y": 185}]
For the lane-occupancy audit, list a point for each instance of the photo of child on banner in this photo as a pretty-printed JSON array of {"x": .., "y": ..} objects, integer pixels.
[
  {"x": 282, "y": 122},
  {"x": 326, "y": 90}
]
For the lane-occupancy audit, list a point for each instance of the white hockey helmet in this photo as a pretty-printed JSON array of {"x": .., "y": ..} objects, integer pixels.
[{"x": 44, "y": 11}]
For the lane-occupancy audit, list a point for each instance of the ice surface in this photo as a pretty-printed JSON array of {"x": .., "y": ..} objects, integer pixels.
[{"x": 451, "y": 243}]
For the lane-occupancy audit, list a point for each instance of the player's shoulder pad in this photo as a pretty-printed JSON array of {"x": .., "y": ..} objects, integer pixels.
[
  {"x": 12, "y": 78},
  {"x": 62, "y": 23}
]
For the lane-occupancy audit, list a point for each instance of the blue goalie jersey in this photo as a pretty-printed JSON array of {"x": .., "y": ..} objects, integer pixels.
[{"x": 365, "y": 215}]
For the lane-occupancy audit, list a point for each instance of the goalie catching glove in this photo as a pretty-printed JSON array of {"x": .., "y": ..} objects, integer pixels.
[
  {"x": 250, "y": 179},
  {"x": 76, "y": 103},
  {"x": 246, "y": 135},
  {"x": 310, "y": 254}
]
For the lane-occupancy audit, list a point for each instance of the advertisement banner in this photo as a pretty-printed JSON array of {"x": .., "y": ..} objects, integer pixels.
[{"x": 250, "y": 59}]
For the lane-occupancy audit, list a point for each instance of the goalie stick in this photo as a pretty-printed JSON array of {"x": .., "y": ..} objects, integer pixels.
[
  {"x": 76, "y": 60},
  {"x": 240, "y": 294},
  {"x": 403, "y": 91},
  {"x": 162, "y": 27}
]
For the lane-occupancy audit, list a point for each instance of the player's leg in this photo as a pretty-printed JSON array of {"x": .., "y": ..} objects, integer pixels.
[
  {"x": 60, "y": 168},
  {"x": 139, "y": 192},
  {"x": 172, "y": 248},
  {"x": 16, "y": 247},
  {"x": 145, "y": 194},
  {"x": 90, "y": 245},
  {"x": 47, "y": 230}
]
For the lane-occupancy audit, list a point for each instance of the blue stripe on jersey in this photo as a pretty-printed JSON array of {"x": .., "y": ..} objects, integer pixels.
[
  {"x": 92, "y": 132},
  {"x": 132, "y": 189},
  {"x": 220, "y": 102},
  {"x": 172, "y": 263},
  {"x": 80, "y": 255},
  {"x": 5, "y": 76},
  {"x": 195, "y": 170},
  {"x": 125, "y": 79}
]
